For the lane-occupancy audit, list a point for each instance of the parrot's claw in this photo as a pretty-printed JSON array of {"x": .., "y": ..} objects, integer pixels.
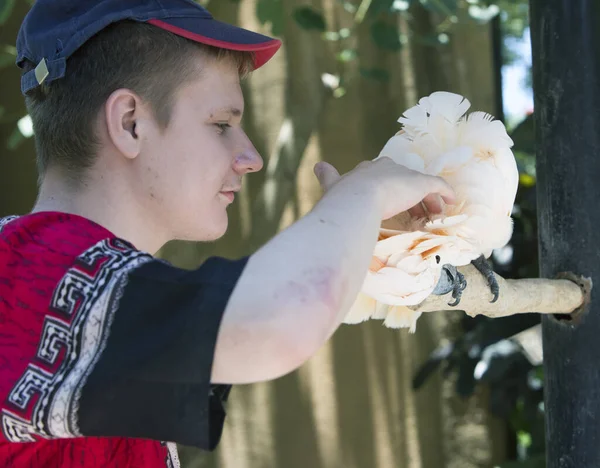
[
  {"x": 485, "y": 269},
  {"x": 459, "y": 286},
  {"x": 453, "y": 281}
]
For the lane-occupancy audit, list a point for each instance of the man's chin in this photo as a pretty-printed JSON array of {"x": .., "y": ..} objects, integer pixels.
[
  {"x": 204, "y": 232},
  {"x": 210, "y": 233},
  {"x": 212, "y": 238}
]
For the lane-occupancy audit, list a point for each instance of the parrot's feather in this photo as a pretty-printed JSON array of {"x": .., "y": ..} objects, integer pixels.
[
  {"x": 381, "y": 311},
  {"x": 362, "y": 309},
  {"x": 402, "y": 317}
]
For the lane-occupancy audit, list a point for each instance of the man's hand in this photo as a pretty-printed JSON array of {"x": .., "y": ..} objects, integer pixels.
[{"x": 398, "y": 188}]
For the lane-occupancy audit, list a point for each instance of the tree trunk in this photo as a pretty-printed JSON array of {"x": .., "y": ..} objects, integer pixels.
[{"x": 566, "y": 61}]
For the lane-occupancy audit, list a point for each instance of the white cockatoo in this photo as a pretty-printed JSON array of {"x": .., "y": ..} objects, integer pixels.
[{"x": 473, "y": 154}]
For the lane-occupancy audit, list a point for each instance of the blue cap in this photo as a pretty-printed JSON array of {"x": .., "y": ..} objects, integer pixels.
[{"x": 55, "y": 29}]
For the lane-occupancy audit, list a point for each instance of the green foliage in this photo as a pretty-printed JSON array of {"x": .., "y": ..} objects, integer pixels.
[
  {"x": 271, "y": 11},
  {"x": 309, "y": 19},
  {"x": 8, "y": 55},
  {"x": 15, "y": 139},
  {"x": 383, "y": 6},
  {"x": 6, "y": 7},
  {"x": 346, "y": 55},
  {"x": 515, "y": 16},
  {"x": 381, "y": 17},
  {"x": 377, "y": 74},
  {"x": 385, "y": 35},
  {"x": 442, "y": 7}
]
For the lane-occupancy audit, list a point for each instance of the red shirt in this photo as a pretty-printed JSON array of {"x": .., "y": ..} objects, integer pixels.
[{"x": 105, "y": 351}]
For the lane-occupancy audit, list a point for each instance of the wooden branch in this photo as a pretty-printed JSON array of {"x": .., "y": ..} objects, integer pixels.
[{"x": 531, "y": 295}]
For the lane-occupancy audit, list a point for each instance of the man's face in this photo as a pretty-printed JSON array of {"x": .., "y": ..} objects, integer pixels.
[{"x": 195, "y": 166}]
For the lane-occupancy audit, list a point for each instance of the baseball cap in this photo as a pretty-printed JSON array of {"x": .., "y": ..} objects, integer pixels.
[{"x": 54, "y": 29}]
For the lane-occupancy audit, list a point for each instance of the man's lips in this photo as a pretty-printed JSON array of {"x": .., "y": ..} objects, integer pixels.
[{"x": 228, "y": 194}]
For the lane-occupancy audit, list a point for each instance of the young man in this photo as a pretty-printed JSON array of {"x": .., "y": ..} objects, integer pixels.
[{"x": 110, "y": 356}]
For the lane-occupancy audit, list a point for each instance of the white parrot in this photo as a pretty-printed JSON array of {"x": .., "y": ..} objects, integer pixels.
[{"x": 473, "y": 154}]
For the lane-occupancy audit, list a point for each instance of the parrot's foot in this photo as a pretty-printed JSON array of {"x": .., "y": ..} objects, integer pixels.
[
  {"x": 453, "y": 281},
  {"x": 485, "y": 269},
  {"x": 459, "y": 286}
]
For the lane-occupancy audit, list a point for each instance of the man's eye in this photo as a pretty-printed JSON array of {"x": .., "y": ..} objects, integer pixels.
[{"x": 223, "y": 127}]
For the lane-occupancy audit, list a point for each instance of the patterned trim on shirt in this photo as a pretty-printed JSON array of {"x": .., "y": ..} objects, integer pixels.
[
  {"x": 82, "y": 309},
  {"x": 173, "y": 456},
  {"x": 5, "y": 221}
]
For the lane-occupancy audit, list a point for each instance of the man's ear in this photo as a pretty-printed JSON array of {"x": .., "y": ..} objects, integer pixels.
[{"x": 122, "y": 110}]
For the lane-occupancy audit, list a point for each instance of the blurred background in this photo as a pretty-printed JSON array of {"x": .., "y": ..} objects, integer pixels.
[{"x": 460, "y": 393}]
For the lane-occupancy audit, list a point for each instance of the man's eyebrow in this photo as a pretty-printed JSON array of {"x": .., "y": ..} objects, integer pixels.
[{"x": 233, "y": 111}]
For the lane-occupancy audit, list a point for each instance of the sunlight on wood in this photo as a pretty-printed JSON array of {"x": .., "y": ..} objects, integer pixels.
[
  {"x": 538, "y": 295},
  {"x": 411, "y": 425},
  {"x": 382, "y": 434},
  {"x": 319, "y": 386}
]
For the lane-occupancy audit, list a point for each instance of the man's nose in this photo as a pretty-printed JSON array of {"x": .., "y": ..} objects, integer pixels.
[{"x": 248, "y": 160}]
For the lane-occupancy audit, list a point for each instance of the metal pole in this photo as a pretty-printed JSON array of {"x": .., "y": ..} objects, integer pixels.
[
  {"x": 497, "y": 38},
  {"x": 566, "y": 66}
]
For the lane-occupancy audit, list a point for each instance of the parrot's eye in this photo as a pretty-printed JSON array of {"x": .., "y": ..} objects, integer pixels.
[{"x": 437, "y": 259}]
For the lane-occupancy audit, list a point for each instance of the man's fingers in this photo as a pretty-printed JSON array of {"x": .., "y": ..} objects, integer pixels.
[
  {"x": 327, "y": 174},
  {"x": 443, "y": 189},
  {"x": 417, "y": 211},
  {"x": 433, "y": 203}
]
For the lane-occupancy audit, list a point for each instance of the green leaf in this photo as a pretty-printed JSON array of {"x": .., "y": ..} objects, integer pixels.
[
  {"x": 6, "y": 59},
  {"x": 6, "y": 8},
  {"x": 264, "y": 10},
  {"x": 377, "y": 74},
  {"x": 331, "y": 36},
  {"x": 524, "y": 439},
  {"x": 349, "y": 7},
  {"x": 443, "y": 7},
  {"x": 389, "y": 6},
  {"x": 15, "y": 139},
  {"x": 346, "y": 55},
  {"x": 386, "y": 36},
  {"x": 339, "y": 92},
  {"x": 380, "y": 6},
  {"x": 271, "y": 11},
  {"x": 8, "y": 55},
  {"x": 431, "y": 40},
  {"x": 309, "y": 19}
]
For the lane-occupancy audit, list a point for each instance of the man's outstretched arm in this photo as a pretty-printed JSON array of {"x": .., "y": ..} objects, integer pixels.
[{"x": 295, "y": 291}]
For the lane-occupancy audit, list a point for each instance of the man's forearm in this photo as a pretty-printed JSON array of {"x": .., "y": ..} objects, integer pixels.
[
  {"x": 297, "y": 288},
  {"x": 345, "y": 229},
  {"x": 327, "y": 254}
]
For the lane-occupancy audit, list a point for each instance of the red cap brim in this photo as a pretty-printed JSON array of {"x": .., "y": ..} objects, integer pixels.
[{"x": 225, "y": 36}]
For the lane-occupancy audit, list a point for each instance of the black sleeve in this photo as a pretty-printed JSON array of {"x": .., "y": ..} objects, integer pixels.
[{"x": 152, "y": 379}]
